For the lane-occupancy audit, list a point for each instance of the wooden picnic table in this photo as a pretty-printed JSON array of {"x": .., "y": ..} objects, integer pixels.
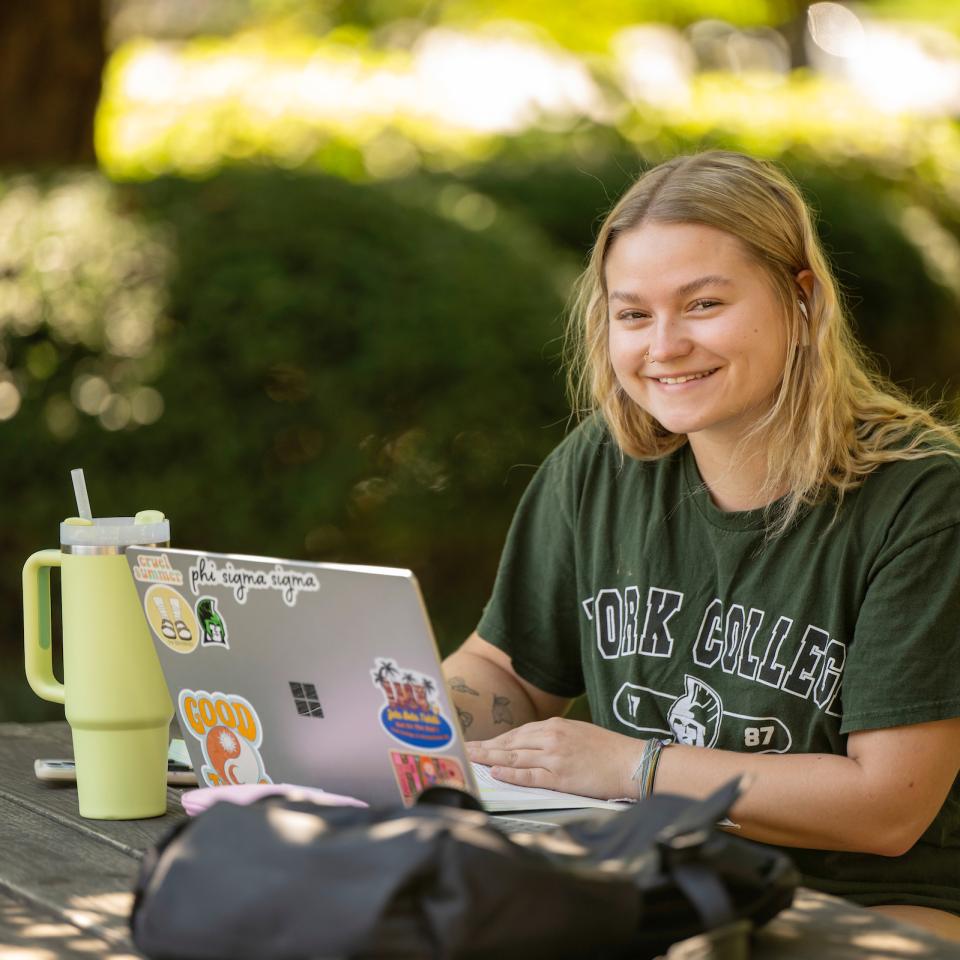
[{"x": 66, "y": 882}]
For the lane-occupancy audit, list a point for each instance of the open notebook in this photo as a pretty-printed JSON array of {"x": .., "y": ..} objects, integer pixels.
[{"x": 499, "y": 797}]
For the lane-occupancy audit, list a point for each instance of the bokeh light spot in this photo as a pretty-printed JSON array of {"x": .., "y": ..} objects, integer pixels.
[
  {"x": 42, "y": 360},
  {"x": 115, "y": 414},
  {"x": 146, "y": 405},
  {"x": 835, "y": 29},
  {"x": 61, "y": 416},
  {"x": 90, "y": 393},
  {"x": 9, "y": 400}
]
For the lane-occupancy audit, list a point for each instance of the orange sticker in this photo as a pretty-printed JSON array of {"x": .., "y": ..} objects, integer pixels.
[
  {"x": 417, "y": 771},
  {"x": 230, "y": 734}
]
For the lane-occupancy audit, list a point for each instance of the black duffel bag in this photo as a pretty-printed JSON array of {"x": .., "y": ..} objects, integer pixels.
[{"x": 290, "y": 879}]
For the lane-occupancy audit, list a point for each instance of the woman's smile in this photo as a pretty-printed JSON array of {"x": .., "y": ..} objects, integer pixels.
[{"x": 681, "y": 379}]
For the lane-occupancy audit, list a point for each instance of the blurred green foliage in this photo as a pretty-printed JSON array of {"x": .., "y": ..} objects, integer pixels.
[
  {"x": 294, "y": 364},
  {"x": 577, "y": 24},
  {"x": 944, "y": 13},
  {"x": 348, "y": 372},
  {"x": 349, "y": 104}
]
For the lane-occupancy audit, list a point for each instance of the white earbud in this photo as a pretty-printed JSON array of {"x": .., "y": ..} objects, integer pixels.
[{"x": 804, "y": 327}]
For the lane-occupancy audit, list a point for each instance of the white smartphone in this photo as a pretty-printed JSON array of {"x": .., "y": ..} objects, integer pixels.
[{"x": 179, "y": 774}]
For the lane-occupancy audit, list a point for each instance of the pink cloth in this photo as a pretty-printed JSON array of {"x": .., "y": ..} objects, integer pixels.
[{"x": 196, "y": 801}]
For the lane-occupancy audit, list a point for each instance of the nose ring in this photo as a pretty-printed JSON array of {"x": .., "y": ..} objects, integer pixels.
[{"x": 647, "y": 359}]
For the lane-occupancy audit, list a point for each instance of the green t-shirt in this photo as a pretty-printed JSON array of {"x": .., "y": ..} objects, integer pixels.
[{"x": 621, "y": 578}]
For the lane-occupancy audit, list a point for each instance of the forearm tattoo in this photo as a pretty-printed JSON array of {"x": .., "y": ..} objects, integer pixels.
[
  {"x": 465, "y": 719},
  {"x": 460, "y": 685},
  {"x": 501, "y": 710}
]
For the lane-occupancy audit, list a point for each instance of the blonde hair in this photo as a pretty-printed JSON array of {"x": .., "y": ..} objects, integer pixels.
[{"x": 834, "y": 419}]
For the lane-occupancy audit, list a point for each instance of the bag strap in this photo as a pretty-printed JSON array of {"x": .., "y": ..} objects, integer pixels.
[
  {"x": 681, "y": 846},
  {"x": 702, "y": 886},
  {"x": 704, "y": 814}
]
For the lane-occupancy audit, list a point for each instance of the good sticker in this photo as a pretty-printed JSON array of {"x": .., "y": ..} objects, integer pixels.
[
  {"x": 411, "y": 713},
  {"x": 230, "y": 734}
]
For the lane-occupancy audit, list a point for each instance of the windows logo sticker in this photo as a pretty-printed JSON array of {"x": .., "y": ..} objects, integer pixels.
[{"x": 306, "y": 700}]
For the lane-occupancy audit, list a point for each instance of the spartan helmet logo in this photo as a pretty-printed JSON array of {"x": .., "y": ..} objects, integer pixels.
[
  {"x": 695, "y": 717},
  {"x": 213, "y": 628}
]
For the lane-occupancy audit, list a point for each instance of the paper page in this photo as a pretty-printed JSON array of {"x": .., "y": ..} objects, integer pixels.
[{"x": 499, "y": 797}]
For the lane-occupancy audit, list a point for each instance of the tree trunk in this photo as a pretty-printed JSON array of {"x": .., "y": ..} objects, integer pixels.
[{"x": 51, "y": 60}]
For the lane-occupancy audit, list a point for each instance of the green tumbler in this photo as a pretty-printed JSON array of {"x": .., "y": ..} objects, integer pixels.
[{"x": 113, "y": 690}]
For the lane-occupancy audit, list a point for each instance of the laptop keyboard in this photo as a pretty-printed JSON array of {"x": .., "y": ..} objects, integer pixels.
[{"x": 520, "y": 825}]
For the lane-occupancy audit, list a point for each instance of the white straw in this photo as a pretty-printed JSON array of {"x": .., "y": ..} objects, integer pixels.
[{"x": 80, "y": 490}]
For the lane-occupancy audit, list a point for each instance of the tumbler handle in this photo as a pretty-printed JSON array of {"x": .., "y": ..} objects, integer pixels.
[{"x": 37, "y": 640}]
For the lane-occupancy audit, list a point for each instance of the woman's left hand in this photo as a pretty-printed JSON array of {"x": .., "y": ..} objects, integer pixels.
[{"x": 567, "y": 755}]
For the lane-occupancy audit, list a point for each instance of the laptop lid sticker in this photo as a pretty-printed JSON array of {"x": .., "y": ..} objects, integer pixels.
[
  {"x": 417, "y": 771},
  {"x": 230, "y": 735},
  {"x": 411, "y": 712},
  {"x": 242, "y": 580},
  {"x": 171, "y": 618},
  {"x": 213, "y": 628}
]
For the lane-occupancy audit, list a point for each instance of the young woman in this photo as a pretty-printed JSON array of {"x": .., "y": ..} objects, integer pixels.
[{"x": 751, "y": 544}]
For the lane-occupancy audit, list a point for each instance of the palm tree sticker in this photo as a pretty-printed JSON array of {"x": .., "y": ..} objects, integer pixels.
[
  {"x": 411, "y": 713},
  {"x": 385, "y": 669}
]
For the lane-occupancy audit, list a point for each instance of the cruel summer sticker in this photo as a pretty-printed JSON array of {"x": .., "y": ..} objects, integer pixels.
[
  {"x": 230, "y": 734},
  {"x": 411, "y": 712},
  {"x": 156, "y": 569},
  {"x": 417, "y": 771}
]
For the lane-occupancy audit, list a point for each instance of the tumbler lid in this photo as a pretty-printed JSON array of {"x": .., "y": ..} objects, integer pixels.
[{"x": 147, "y": 527}]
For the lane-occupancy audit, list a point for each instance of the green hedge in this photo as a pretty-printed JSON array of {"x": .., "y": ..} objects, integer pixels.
[{"x": 349, "y": 372}]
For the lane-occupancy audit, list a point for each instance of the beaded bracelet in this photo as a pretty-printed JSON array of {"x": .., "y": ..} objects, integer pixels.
[{"x": 646, "y": 771}]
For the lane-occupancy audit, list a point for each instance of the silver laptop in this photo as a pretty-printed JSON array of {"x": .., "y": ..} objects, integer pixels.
[{"x": 317, "y": 674}]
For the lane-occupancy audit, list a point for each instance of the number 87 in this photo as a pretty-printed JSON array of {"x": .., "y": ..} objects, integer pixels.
[{"x": 755, "y": 736}]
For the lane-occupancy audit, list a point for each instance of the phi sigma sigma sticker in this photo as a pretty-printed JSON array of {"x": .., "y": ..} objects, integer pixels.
[
  {"x": 229, "y": 732},
  {"x": 411, "y": 713}
]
